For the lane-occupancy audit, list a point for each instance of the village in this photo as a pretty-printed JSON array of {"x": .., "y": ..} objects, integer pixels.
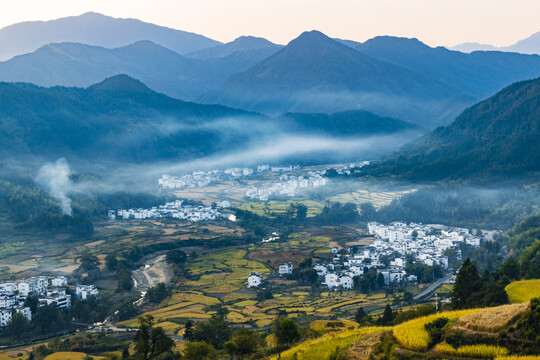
[
  {"x": 174, "y": 210},
  {"x": 288, "y": 186},
  {"x": 49, "y": 292},
  {"x": 200, "y": 179},
  {"x": 394, "y": 246}
]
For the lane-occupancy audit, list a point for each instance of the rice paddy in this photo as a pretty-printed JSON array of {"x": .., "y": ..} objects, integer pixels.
[
  {"x": 413, "y": 335},
  {"x": 326, "y": 345},
  {"x": 492, "y": 319},
  {"x": 479, "y": 351},
  {"x": 523, "y": 291}
]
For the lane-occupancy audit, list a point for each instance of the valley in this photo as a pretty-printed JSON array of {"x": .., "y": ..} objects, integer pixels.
[{"x": 308, "y": 194}]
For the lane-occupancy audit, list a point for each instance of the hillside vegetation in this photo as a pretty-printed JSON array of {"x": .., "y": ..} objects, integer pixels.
[{"x": 498, "y": 137}]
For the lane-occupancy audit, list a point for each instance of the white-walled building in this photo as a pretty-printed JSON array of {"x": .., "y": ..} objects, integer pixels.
[
  {"x": 6, "y": 314},
  {"x": 331, "y": 280},
  {"x": 59, "y": 281},
  {"x": 286, "y": 269},
  {"x": 346, "y": 282},
  {"x": 84, "y": 291},
  {"x": 254, "y": 280}
]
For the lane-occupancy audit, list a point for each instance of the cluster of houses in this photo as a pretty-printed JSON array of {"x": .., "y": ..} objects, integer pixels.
[
  {"x": 13, "y": 295},
  {"x": 398, "y": 241},
  {"x": 254, "y": 279},
  {"x": 351, "y": 168},
  {"x": 175, "y": 210},
  {"x": 393, "y": 244},
  {"x": 199, "y": 179},
  {"x": 288, "y": 185}
]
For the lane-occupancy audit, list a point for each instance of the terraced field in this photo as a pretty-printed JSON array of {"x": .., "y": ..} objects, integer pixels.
[{"x": 523, "y": 291}]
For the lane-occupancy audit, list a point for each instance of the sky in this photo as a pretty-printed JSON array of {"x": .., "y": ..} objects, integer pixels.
[{"x": 435, "y": 22}]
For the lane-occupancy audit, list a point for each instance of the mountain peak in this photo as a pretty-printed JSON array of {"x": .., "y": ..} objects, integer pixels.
[
  {"x": 311, "y": 36},
  {"x": 252, "y": 41},
  {"x": 121, "y": 83},
  {"x": 394, "y": 42}
]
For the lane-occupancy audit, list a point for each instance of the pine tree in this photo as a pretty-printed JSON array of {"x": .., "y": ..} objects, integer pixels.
[
  {"x": 388, "y": 316},
  {"x": 360, "y": 315},
  {"x": 467, "y": 283}
]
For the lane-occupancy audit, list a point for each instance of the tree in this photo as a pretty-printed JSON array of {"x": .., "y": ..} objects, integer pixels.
[
  {"x": 127, "y": 310},
  {"x": 125, "y": 281},
  {"x": 188, "y": 331},
  {"x": 157, "y": 293},
  {"x": 151, "y": 342},
  {"x": 216, "y": 331},
  {"x": 18, "y": 326},
  {"x": 388, "y": 316},
  {"x": 243, "y": 342},
  {"x": 176, "y": 257},
  {"x": 530, "y": 261},
  {"x": 33, "y": 303},
  {"x": 380, "y": 280},
  {"x": 111, "y": 262},
  {"x": 285, "y": 331},
  {"x": 360, "y": 315},
  {"x": 301, "y": 211},
  {"x": 467, "y": 283},
  {"x": 199, "y": 350},
  {"x": 509, "y": 268},
  {"x": 89, "y": 263},
  {"x": 306, "y": 263},
  {"x": 368, "y": 211}
]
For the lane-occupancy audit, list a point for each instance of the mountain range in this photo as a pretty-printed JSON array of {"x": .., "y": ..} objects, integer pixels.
[
  {"x": 397, "y": 78},
  {"x": 530, "y": 45},
  {"x": 121, "y": 119},
  {"x": 498, "y": 137},
  {"x": 95, "y": 29}
]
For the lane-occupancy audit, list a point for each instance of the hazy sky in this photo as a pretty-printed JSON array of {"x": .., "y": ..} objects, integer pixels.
[{"x": 436, "y": 22}]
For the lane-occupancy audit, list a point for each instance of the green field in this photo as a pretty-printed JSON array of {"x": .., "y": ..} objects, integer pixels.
[{"x": 523, "y": 291}]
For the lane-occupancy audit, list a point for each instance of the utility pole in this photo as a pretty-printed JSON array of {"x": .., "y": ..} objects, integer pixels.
[{"x": 436, "y": 303}]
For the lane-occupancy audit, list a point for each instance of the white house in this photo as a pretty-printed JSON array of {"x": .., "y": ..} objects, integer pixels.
[
  {"x": 33, "y": 286},
  {"x": 286, "y": 269},
  {"x": 320, "y": 268},
  {"x": 254, "y": 279},
  {"x": 84, "y": 291},
  {"x": 58, "y": 298},
  {"x": 346, "y": 282},
  {"x": 8, "y": 287},
  {"x": 6, "y": 315},
  {"x": 331, "y": 280},
  {"x": 59, "y": 281}
]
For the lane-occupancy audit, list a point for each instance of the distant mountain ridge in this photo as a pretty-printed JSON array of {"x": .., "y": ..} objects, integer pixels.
[
  {"x": 529, "y": 45},
  {"x": 479, "y": 74},
  {"x": 95, "y": 29},
  {"x": 121, "y": 119},
  {"x": 314, "y": 73},
  {"x": 241, "y": 44},
  {"x": 498, "y": 137}
]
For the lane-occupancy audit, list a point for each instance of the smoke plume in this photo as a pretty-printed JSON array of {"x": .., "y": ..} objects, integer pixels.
[{"x": 54, "y": 177}]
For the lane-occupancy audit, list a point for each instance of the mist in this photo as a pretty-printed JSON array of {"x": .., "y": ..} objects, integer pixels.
[{"x": 54, "y": 178}]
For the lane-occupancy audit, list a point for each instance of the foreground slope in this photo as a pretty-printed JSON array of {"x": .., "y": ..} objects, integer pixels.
[
  {"x": 498, "y": 137},
  {"x": 95, "y": 29}
]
